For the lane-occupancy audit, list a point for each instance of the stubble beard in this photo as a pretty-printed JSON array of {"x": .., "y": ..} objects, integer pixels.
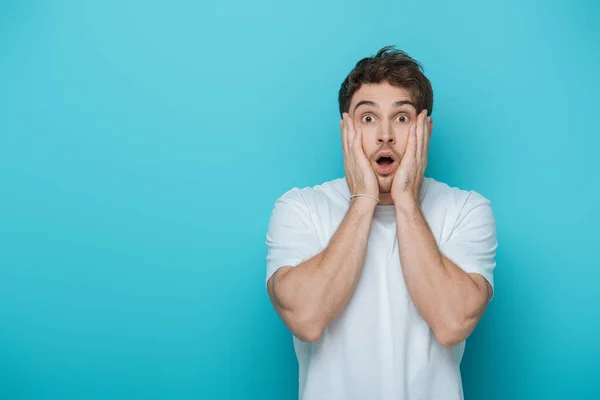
[{"x": 385, "y": 183}]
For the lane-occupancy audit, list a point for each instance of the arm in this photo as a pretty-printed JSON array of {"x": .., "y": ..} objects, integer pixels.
[
  {"x": 451, "y": 300},
  {"x": 448, "y": 297},
  {"x": 307, "y": 297}
]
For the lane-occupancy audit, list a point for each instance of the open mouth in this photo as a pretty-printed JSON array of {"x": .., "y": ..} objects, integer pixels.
[{"x": 385, "y": 163}]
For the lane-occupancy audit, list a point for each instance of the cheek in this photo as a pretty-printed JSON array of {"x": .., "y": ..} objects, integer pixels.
[
  {"x": 402, "y": 133},
  {"x": 369, "y": 140},
  {"x": 368, "y": 147},
  {"x": 369, "y": 132},
  {"x": 401, "y": 139}
]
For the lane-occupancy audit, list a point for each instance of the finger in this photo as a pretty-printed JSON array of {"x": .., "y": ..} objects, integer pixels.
[
  {"x": 358, "y": 138},
  {"x": 427, "y": 139},
  {"x": 425, "y": 143},
  {"x": 415, "y": 142},
  {"x": 351, "y": 131},
  {"x": 343, "y": 134},
  {"x": 347, "y": 134},
  {"x": 420, "y": 131},
  {"x": 411, "y": 146},
  {"x": 347, "y": 131}
]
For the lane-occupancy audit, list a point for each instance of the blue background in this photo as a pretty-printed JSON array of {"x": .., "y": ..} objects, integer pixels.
[{"x": 143, "y": 145}]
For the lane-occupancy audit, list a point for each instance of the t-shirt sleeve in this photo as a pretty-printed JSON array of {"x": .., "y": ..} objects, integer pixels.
[
  {"x": 472, "y": 243},
  {"x": 291, "y": 236}
]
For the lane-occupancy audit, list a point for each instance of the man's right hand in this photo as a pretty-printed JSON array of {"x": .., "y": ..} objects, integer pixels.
[
  {"x": 360, "y": 176},
  {"x": 309, "y": 295}
]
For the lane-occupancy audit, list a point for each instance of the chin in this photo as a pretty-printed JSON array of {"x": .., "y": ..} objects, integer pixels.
[{"x": 385, "y": 184}]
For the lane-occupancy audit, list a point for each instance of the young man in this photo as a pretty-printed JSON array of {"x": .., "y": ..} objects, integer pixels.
[{"x": 383, "y": 274}]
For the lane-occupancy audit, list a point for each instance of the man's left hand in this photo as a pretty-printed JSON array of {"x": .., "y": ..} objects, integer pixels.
[{"x": 410, "y": 174}]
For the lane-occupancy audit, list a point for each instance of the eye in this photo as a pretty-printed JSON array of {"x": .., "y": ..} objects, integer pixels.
[
  {"x": 402, "y": 118},
  {"x": 367, "y": 118}
]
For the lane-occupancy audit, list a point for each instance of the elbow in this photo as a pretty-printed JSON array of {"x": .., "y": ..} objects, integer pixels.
[
  {"x": 449, "y": 340},
  {"x": 302, "y": 325},
  {"x": 451, "y": 334},
  {"x": 308, "y": 335},
  {"x": 303, "y": 319},
  {"x": 305, "y": 327}
]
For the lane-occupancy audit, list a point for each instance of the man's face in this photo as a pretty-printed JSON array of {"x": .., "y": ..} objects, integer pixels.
[{"x": 384, "y": 113}]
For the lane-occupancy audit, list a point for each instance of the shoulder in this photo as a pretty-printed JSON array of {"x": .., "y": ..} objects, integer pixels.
[
  {"x": 451, "y": 198},
  {"x": 314, "y": 208},
  {"x": 448, "y": 208},
  {"x": 313, "y": 197}
]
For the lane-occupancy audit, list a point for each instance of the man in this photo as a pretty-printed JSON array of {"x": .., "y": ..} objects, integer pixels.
[{"x": 381, "y": 275}]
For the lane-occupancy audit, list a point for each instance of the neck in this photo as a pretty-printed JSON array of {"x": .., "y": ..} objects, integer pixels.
[{"x": 385, "y": 199}]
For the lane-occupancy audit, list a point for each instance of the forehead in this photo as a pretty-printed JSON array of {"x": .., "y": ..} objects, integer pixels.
[{"x": 383, "y": 94}]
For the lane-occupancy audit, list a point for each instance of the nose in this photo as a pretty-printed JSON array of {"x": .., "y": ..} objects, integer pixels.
[{"x": 385, "y": 134}]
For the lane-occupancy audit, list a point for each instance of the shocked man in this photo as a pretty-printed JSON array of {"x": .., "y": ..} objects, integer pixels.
[{"x": 383, "y": 274}]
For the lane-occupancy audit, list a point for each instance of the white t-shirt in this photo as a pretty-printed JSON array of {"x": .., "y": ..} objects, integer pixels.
[{"x": 379, "y": 347}]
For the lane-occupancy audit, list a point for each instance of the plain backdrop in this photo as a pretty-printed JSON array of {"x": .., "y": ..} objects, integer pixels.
[{"x": 143, "y": 145}]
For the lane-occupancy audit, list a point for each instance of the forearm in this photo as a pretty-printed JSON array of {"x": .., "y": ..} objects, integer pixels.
[
  {"x": 440, "y": 290},
  {"x": 313, "y": 293}
]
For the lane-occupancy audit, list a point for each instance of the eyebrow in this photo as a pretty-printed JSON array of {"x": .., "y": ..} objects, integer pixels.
[{"x": 399, "y": 103}]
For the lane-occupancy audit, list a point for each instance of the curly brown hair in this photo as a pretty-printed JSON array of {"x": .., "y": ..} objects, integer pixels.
[{"x": 397, "y": 68}]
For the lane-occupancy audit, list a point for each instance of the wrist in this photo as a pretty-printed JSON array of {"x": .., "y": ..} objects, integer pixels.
[
  {"x": 406, "y": 203},
  {"x": 365, "y": 204}
]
